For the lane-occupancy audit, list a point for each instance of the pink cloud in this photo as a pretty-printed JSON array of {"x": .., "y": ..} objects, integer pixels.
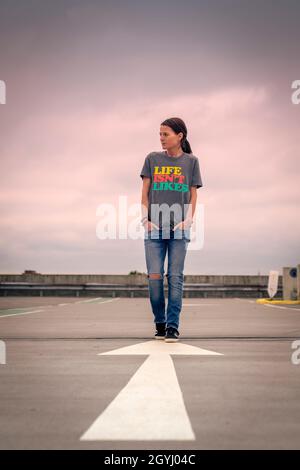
[{"x": 60, "y": 167}]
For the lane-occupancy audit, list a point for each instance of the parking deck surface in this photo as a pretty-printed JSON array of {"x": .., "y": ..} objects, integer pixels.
[{"x": 91, "y": 367}]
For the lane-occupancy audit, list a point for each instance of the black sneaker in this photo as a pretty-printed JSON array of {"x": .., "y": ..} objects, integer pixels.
[
  {"x": 160, "y": 331},
  {"x": 171, "y": 334}
]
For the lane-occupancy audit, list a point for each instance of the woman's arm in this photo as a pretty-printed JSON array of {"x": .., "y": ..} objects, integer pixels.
[
  {"x": 191, "y": 210},
  {"x": 145, "y": 197},
  {"x": 193, "y": 202},
  {"x": 145, "y": 203}
]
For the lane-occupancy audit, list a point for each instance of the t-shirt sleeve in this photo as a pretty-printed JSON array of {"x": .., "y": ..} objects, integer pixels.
[
  {"x": 196, "y": 177},
  {"x": 146, "y": 170}
]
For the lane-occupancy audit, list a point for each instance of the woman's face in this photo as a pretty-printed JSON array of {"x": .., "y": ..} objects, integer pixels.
[{"x": 168, "y": 138}]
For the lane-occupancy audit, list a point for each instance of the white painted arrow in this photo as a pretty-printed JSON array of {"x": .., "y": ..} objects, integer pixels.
[{"x": 151, "y": 405}]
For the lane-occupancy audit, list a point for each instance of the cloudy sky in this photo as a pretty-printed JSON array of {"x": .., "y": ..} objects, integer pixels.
[{"x": 88, "y": 84}]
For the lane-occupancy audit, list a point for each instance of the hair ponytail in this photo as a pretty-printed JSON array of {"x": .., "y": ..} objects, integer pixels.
[{"x": 185, "y": 145}]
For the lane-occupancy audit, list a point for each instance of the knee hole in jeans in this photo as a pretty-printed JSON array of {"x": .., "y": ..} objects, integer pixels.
[{"x": 154, "y": 276}]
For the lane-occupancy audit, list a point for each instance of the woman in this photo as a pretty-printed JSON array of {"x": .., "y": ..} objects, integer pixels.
[{"x": 170, "y": 181}]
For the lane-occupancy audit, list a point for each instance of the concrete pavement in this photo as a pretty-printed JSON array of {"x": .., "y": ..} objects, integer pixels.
[{"x": 55, "y": 384}]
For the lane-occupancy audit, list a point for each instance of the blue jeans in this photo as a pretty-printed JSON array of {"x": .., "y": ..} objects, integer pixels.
[{"x": 157, "y": 242}]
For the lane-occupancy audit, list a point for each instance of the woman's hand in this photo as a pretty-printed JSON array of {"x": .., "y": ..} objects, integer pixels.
[
  {"x": 148, "y": 225},
  {"x": 185, "y": 224}
]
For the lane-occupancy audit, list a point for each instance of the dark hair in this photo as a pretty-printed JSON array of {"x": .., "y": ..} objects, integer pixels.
[{"x": 178, "y": 125}]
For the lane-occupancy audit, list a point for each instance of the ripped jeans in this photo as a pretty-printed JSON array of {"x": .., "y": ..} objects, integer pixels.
[{"x": 157, "y": 243}]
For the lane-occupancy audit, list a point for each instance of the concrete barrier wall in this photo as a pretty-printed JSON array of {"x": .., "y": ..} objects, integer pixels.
[
  {"x": 133, "y": 279},
  {"x": 131, "y": 285}
]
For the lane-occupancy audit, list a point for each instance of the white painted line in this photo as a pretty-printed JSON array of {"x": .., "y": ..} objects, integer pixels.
[
  {"x": 59, "y": 305},
  {"x": 151, "y": 405},
  {"x": 89, "y": 300},
  {"x": 279, "y": 306},
  {"x": 21, "y": 313},
  {"x": 17, "y": 308},
  {"x": 110, "y": 300}
]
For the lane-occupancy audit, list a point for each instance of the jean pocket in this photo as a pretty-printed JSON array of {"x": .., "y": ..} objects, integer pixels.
[
  {"x": 187, "y": 234},
  {"x": 151, "y": 234},
  {"x": 182, "y": 234}
]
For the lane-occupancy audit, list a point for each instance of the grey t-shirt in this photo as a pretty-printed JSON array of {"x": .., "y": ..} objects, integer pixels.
[{"x": 171, "y": 179}]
